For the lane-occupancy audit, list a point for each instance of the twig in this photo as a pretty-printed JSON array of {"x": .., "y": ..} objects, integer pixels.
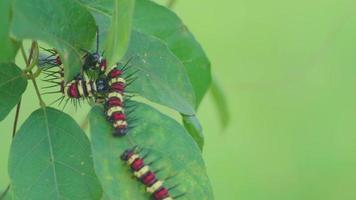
[
  {"x": 28, "y": 63},
  {"x": 16, "y": 118}
]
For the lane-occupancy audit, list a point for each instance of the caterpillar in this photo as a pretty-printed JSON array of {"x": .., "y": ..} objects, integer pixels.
[
  {"x": 142, "y": 171},
  {"x": 108, "y": 88},
  {"x": 75, "y": 90},
  {"x": 114, "y": 105}
]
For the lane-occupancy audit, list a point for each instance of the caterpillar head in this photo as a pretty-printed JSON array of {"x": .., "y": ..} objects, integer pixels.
[
  {"x": 92, "y": 61},
  {"x": 102, "y": 85},
  {"x": 119, "y": 132},
  {"x": 127, "y": 154}
]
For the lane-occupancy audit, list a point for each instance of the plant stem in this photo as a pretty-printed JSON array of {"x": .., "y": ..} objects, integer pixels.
[
  {"x": 42, "y": 104},
  {"x": 28, "y": 63},
  {"x": 2, "y": 196},
  {"x": 171, "y": 3},
  {"x": 16, "y": 118}
]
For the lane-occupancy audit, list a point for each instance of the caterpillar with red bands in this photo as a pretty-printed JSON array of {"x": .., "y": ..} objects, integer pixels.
[
  {"x": 110, "y": 86},
  {"x": 142, "y": 171},
  {"x": 77, "y": 89},
  {"x": 114, "y": 105}
]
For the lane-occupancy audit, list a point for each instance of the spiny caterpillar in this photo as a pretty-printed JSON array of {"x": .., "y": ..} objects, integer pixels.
[
  {"x": 115, "y": 102},
  {"x": 77, "y": 89},
  {"x": 142, "y": 171}
]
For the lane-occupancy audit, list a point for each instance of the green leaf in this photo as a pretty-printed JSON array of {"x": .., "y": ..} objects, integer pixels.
[
  {"x": 161, "y": 76},
  {"x": 12, "y": 84},
  {"x": 8, "y": 47},
  {"x": 114, "y": 18},
  {"x": 119, "y": 33},
  {"x": 50, "y": 158},
  {"x": 220, "y": 102},
  {"x": 170, "y": 147},
  {"x": 63, "y": 24},
  {"x": 156, "y": 20},
  {"x": 192, "y": 124}
]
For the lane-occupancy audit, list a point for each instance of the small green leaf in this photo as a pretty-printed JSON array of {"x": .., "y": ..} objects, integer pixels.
[
  {"x": 156, "y": 20},
  {"x": 8, "y": 47},
  {"x": 114, "y": 18},
  {"x": 12, "y": 84},
  {"x": 192, "y": 124},
  {"x": 50, "y": 158},
  {"x": 161, "y": 76},
  {"x": 220, "y": 102},
  {"x": 168, "y": 144},
  {"x": 63, "y": 24},
  {"x": 119, "y": 33}
]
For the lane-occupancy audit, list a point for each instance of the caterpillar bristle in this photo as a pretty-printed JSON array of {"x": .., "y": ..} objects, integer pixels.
[
  {"x": 131, "y": 75},
  {"x": 179, "y": 196},
  {"x": 173, "y": 187},
  {"x": 54, "y": 92},
  {"x": 51, "y": 81},
  {"x": 60, "y": 99},
  {"x": 51, "y": 86}
]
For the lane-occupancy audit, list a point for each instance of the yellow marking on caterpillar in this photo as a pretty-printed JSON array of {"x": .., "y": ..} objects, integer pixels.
[
  {"x": 168, "y": 198},
  {"x": 117, "y": 95},
  {"x": 113, "y": 109},
  {"x": 80, "y": 88},
  {"x": 117, "y": 80},
  {"x": 66, "y": 88},
  {"x": 120, "y": 123},
  {"x": 132, "y": 159},
  {"x": 94, "y": 86},
  {"x": 89, "y": 88},
  {"x": 154, "y": 187},
  {"x": 142, "y": 171}
]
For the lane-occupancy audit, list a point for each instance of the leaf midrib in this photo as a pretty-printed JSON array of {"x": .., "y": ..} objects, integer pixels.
[{"x": 51, "y": 153}]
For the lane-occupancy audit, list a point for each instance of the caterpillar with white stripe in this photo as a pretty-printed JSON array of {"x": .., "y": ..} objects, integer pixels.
[
  {"x": 148, "y": 177},
  {"x": 114, "y": 105}
]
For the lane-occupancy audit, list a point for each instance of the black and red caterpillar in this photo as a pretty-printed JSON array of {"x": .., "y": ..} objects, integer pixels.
[
  {"x": 142, "y": 171},
  {"x": 114, "y": 104},
  {"x": 108, "y": 87}
]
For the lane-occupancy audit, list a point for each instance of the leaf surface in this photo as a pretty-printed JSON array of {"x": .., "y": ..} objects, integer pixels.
[
  {"x": 153, "y": 19},
  {"x": 50, "y": 158},
  {"x": 12, "y": 84},
  {"x": 64, "y": 24},
  {"x": 166, "y": 143}
]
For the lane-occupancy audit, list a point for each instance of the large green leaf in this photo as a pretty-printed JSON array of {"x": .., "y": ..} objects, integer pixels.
[
  {"x": 63, "y": 24},
  {"x": 156, "y": 20},
  {"x": 8, "y": 47},
  {"x": 12, "y": 84},
  {"x": 50, "y": 158},
  {"x": 161, "y": 77},
  {"x": 168, "y": 144},
  {"x": 114, "y": 18}
]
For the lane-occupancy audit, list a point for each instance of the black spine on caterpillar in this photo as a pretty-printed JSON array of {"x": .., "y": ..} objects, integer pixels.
[
  {"x": 114, "y": 105},
  {"x": 142, "y": 171}
]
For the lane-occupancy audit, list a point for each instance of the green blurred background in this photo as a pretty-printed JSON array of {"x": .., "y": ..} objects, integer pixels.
[{"x": 287, "y": 69}]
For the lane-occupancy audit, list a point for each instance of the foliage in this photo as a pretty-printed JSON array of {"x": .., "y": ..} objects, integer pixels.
[{"x": 50, "y": 155}]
